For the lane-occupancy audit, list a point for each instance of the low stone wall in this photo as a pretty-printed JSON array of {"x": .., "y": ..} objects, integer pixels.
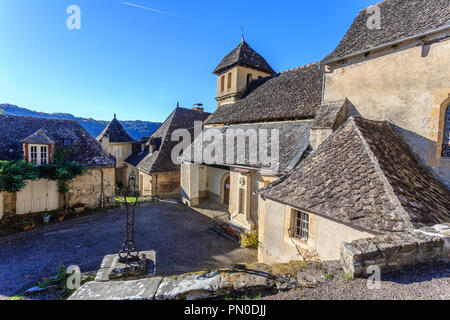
[
  {"x": 395, "y": 251},
  {"x": 207, "y": 284}
]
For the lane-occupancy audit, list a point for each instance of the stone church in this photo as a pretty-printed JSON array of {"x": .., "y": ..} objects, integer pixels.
[{"x": 363, "y": 137}]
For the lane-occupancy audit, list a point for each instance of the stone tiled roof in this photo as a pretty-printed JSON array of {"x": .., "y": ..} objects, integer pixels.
[
  {"x": 243, "y": 55},
  {"x": 293, "y": 94},
  {"x": 293, "y": 142},
  {"x": 14, "y": 129},
  {"x": 160, "y": 160},
  {"x": 365, "y": 175},
  {"x": 400, "y": 19},
  {"x": 329, "y": 115},
  {"x": 38, "y": 137},
  {"x": 115, "y": 132}
]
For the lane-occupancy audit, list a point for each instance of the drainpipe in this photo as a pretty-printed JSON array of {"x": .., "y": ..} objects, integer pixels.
[
  {"x": 156, "y": 188},
  {"x": 102, "y": 194}
]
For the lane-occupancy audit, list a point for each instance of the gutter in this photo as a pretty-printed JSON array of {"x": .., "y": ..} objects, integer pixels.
[
  {"x": 385, "y": 45},
  {"x": 240, "y": 167}
]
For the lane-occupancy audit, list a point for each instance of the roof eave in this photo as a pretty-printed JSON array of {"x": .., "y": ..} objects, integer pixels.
[{"x": 384, "y": 45}]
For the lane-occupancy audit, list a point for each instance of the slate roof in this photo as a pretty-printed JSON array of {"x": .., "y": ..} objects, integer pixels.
[
  {"x": 400, "y": 19},
  {"x": 160, "y": 160},
  {"x": 14, "y": 129},
  {"x": 329, "y": 115},
  {"x": 290, "y": 95},
  {"x": 38, "y": 137},
  {"x": 243, "y": 55},
  {"x": 365, "y": 175},
  {"x": 293, "y": 142},
  {"x": 115, "y": 132}
]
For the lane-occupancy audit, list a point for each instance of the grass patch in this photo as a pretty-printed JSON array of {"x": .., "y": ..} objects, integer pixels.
[
  {"x": 132, "y": 199},
  {"x": 15, "y": 298}
]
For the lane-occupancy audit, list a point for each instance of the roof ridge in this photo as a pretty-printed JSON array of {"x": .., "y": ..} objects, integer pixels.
[
  {"x": 393, "y": 197},
  {"x": 31, "y": 117},
  {"x": 375, "y": 4},
  {"x": 300, "y": 67}
]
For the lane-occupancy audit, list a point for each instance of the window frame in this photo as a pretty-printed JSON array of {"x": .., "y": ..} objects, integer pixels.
[
  {"x": 39, "y": 156},
  {"x": 119, "y": 148},
  {"x": 222, "y": 83},
  {"x": 249, "y": 78},
  {"x": 301, "y": 226}
]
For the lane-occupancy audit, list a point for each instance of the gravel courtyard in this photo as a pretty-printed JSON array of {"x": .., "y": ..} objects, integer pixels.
[
  {"x": 427, "y": 282},
  {"x": 180, "y": 236}
]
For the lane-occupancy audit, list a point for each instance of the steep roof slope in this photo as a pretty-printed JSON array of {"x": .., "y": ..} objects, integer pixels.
[
  {"x": 399, "y": 19},
  {"x": 14, "y": 129},
  {"x": 292, "y": 140},
  {"x": 115, "y": 132},
  {"x": 243, "y": 55},
  {"x": 365, "y": 175},
  {"x": 160, "y": 160},
  {"x": 292, "y": 94}
]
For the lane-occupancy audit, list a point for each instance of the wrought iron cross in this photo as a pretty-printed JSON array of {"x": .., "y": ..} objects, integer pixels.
[{"x": 129, "y": 252}]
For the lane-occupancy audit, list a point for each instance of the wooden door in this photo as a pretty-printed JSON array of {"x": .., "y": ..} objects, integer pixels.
[{"x": 38, "y": 196}]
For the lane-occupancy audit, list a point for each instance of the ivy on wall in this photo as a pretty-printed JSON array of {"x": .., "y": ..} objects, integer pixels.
[{"x": 15, "y": 173}]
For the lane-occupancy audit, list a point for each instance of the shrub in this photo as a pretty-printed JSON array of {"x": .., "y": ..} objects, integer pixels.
[{"x": 249, "y": 239}]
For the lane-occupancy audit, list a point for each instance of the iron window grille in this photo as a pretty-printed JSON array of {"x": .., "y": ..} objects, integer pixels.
[{"x": 301, "y": 226}]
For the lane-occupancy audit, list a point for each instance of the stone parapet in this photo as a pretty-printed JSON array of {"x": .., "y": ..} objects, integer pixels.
[{"x": 395, "y": 251}]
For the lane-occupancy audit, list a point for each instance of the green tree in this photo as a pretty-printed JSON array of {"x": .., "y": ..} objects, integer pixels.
[{"x": 14, "y": 174}]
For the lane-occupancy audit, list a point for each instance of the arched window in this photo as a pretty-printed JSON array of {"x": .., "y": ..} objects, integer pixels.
[
  {"x": 446, "y": 135},
  {"x": 249, "y": 78},
  {"x": 222, "y": 83}
]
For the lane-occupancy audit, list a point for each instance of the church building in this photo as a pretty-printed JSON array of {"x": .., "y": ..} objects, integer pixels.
[{"x": 363, "y": 137}]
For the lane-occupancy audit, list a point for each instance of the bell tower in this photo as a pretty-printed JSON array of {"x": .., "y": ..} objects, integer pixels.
[{"x": 237, "y": 70}]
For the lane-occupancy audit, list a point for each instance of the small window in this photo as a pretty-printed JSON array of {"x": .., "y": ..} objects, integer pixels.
[
  {"x": 117, "y": 151},
  {"x": 222, "y": 83},
  {"x": 249, "y": 78},
  {"x": 44, "y": 155},
  {"x": 301, "y": 225},
  {"x": 38, "y": 154},
  {"x": 33, "y": 154},
  {"x": 229, "y": 80},
  {"x": 446, "y": 135}
]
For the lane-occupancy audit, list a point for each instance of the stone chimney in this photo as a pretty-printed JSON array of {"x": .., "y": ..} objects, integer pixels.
[{"x": 198, "y": 107}]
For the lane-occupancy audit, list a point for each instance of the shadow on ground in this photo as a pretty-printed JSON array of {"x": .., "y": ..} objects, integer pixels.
[{"x": 180, "y": 236}]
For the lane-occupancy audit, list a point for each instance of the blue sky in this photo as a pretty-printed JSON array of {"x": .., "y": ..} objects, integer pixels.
[{"x": 139, "y": 62}]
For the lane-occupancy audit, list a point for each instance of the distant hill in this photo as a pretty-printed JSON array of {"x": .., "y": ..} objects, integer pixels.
[{"x": 136, "y": 129}]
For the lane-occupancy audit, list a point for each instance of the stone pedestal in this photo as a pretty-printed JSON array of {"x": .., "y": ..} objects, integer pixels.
[{"x": 113, "y": 269}]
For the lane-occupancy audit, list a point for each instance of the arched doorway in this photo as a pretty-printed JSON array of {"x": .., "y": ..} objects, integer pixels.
[{"x": 226, "y": 190}]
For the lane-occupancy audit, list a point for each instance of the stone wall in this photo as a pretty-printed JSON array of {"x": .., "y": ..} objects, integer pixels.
[
  {"x": 87, "y": 188},
  {"x": 404, "y": 87},
  {"x": 278, "y": 245},
  {"x": 395, "y": 251},
  {"x": 168, "y": 183}
]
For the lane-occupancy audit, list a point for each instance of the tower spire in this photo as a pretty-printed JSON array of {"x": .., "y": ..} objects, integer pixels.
[{"x": 242, "y": 33}]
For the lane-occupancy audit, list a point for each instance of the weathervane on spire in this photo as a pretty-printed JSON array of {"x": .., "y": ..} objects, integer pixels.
[
  {"x": 242, "y": 33},
  {"x": 114, "y": 115}
]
